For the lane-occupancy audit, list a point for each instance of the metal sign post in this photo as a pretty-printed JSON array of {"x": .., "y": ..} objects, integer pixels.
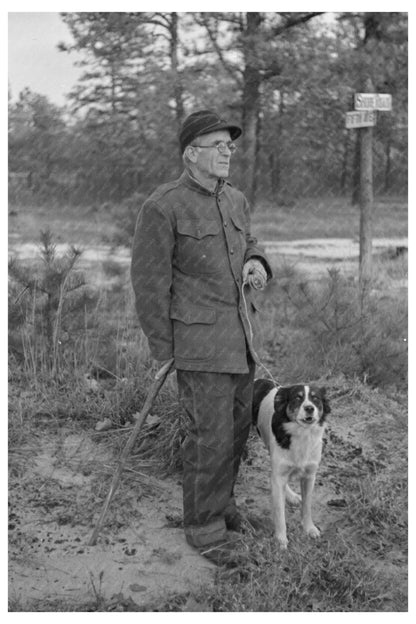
[{"x": 364, "y": 118}]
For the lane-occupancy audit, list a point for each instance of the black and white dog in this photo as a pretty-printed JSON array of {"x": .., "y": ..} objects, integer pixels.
[{"x": 291, "y": 423}]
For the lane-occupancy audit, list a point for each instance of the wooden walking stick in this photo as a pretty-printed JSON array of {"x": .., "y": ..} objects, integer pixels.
[{"x": 151, "y": 395}]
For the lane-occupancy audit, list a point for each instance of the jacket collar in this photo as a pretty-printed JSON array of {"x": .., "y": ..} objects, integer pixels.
[{"x": 191, "y": 182}]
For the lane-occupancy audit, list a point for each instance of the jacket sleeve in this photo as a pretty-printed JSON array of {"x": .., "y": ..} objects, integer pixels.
[
  {"x": 253, "y": 250},
  {"x": 151, "y": 275}
]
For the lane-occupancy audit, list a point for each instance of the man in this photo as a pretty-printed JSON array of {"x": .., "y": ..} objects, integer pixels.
[{"x": 194, "y": 267}]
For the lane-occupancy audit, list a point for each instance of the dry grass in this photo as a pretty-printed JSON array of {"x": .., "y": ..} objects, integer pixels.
[
  {"x": 329, "y": 217},
  {"x": 360, "y": 563},
  {"x": 306, "y": 218},
  {"x": 323, "y": 328},
  {"x": 75, "y": 225}
]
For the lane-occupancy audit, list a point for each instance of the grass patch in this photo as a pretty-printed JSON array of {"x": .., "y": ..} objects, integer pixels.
[
  {"x": 359, "y": 564},
  {"x": 328, "y": 217},
  {"x": 323, "y": 328},
  {"x": 331, "y": 575},
  {"x": 316, "y": 330},
  {"x": 73, "y": 225},
  {"x": 319, "y": 217}
]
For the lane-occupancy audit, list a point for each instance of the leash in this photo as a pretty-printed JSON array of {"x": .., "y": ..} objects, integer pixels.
[{"x": 276, "y": 383}]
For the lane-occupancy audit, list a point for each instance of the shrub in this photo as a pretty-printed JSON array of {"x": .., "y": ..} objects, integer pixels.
[
  {"x": 47, "y": 304},
  {"x": 322, "y": 328},
  {"x": 125, "y": 215}
]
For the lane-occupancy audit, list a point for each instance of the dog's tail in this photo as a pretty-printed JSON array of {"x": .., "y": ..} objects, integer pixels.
[{"x": 261, "y": 388}]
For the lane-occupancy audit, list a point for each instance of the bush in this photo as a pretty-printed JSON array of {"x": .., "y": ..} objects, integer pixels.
[
  {"x": 125, "y": 215},
  {"x": 48, "y": 306},
  {"x": 324, "y": 328}
]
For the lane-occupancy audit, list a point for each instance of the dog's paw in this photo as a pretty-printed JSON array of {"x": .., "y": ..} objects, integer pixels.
[
  {"x": 282, "y": 541},
  {"x": 293, "y": 498},
  {"x": 313, "y": 531}
]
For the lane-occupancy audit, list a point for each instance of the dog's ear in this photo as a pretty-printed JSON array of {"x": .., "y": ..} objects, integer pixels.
[
  {"x": 325, "y": 402},
  {"x": 281, "y": 400}
]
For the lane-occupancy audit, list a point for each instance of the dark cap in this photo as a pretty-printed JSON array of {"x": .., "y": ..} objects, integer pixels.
[{"x": 203, "y": 122}]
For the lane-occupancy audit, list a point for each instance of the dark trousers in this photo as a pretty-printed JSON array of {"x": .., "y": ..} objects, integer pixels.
[{"x": 218, "y": 418}]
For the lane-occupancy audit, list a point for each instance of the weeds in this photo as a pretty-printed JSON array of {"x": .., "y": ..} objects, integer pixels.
[
  {"x": 325, "y": 329},
  {"x": 349, "y": 569},
  {"x": 125, "y": 215},
  {"x": 329, "y": 576},
  {"x": 379, "y": 513},
  {"x": 45, "y": 305},
  {"x": 81, "y": 358}
]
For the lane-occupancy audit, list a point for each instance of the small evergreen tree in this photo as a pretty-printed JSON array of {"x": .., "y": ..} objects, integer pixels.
[{"x": 45, "y": 304}]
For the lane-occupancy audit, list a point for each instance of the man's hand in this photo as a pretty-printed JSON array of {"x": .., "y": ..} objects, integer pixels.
[{"x": 254, "y": 274}]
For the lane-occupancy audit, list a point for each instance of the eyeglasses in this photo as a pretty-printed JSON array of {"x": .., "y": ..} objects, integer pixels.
[{"x": 221, "y": 146}]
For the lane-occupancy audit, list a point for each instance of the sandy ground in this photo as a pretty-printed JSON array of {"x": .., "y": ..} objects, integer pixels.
[
  {"x": 137, "y": 565},
  {"x": 138, "y": 562},
  {"x": 308, "y": 254},
  {"x": 141, "y": 557},
  {"x": 330, "y": 249},
  {"x": 49, "y": 555},
  {"x": 317, "y": 254}
]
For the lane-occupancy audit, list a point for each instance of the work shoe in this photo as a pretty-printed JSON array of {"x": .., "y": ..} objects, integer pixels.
[
  {"x": 234, "y": 521},
  {"x": 222, "y": 553}
]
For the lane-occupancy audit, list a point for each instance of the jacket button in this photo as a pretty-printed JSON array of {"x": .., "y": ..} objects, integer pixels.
[
  {"x": 231, "y": 251},
  {"x": 225, "y": 223}
]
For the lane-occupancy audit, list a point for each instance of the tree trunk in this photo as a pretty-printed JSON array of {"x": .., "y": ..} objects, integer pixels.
[
  {"x": 274, "y": 165},
  {"x": 277, "y": 174},
  {"x": 178, "y": 88},
  {"x": 251, "y": 105},
  {"x": 387, "y": 171},
  {"x": 177, "y": 83},
  {"x": 251, "y": 99}
]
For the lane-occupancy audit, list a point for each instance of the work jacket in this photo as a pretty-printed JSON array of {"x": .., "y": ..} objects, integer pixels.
[{"x": 189, "y": 248}]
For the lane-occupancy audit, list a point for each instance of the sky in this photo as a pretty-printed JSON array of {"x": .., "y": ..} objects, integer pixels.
[
  {"x": 33, "y": 58},
  {"x": 35, "y": 62}
]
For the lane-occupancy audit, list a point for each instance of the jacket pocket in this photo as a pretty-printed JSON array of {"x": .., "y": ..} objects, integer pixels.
[
  {"x": 199, "y": 246},
  {"x": 239, "y": 235},
  {"x": 198, "y": 228},
  {"x": 193, "y": 332},
  {"x": 238, "y": 224}
]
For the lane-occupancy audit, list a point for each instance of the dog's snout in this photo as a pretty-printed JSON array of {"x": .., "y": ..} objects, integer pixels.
[{"x": 308, "y": 411}]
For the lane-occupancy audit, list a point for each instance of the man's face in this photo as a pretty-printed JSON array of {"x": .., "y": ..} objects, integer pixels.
[{"x": 209, "y": 162}]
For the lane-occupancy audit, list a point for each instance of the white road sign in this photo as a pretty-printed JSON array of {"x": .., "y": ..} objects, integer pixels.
[
  {"x": 360, "y": 119},
  {"x": 372, "y": 101}
]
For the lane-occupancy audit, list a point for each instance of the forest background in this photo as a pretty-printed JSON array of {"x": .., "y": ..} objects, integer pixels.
[{"x": 287, "y": 78}]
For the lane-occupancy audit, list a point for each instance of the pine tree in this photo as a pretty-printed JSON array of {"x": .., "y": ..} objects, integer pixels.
[{"x": 44, "y": 303}]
